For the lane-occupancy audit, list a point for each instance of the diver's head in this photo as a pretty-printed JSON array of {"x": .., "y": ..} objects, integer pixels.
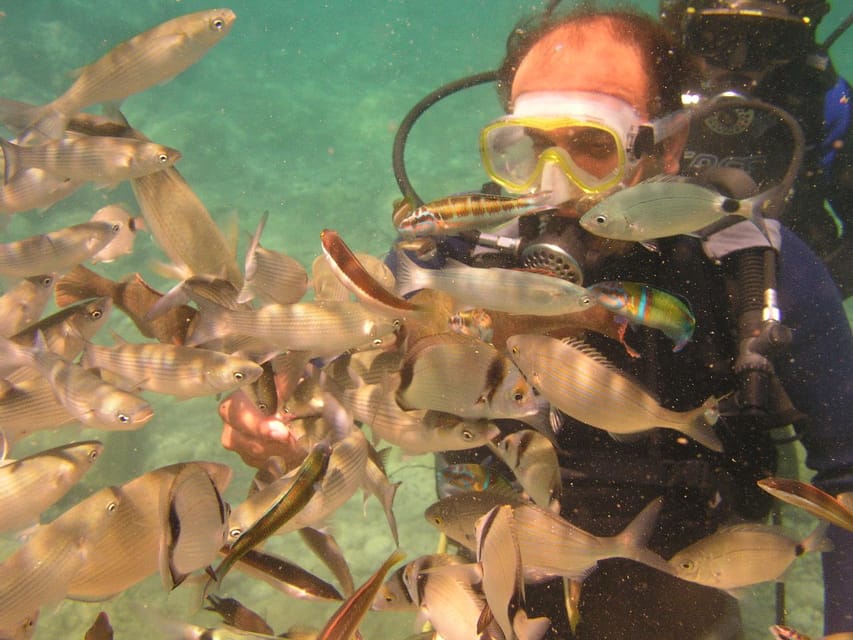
[
  {"x": 590, "y": 98},
  {"x": 743, "y": 41}
]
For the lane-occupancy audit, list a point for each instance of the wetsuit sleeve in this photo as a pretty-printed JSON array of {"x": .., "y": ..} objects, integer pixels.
[{"x": 818, "y": 375}]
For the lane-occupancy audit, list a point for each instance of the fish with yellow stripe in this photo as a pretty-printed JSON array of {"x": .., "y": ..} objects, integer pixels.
[{"x": 650, "y": 307}]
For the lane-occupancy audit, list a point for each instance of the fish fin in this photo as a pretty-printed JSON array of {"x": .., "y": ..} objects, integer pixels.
[
  {"x": 44, "y": 122},
  {"x": 170, "y": 271},
  {"x": 700, "y": 425},
  {"x": 209, "y": 323},
  {"x": 529, "y": 628},
  {"x": 486, "y": 618},
  {"x": 650, "y": 245},
  {"x": 410, "y": 275}
]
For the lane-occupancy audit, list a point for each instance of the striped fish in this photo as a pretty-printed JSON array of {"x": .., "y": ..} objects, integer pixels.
[
  {"x": 57, "y": 250},
  {"x": 581, "y": 383},
  {"x": 451, "y": 216}
]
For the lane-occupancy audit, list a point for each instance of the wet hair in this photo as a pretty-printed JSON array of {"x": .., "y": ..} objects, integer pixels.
[{"x": 667, "y": 66}]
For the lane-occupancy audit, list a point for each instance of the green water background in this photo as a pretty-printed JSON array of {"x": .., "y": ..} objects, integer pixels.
[{"x": 294, "y": 113}]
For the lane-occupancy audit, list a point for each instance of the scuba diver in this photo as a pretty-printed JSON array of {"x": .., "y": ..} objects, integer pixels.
[
  {"x": 767, "y": 50},
  {"x": 594, "y": 107},
  {"x": 566, "y": 78}
]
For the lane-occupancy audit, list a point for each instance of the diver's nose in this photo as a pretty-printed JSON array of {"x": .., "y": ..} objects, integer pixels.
[{"x": 562, "y": 188}]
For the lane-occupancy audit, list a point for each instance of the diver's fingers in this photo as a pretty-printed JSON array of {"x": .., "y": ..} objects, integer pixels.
[{"x": 254, "y": 451}]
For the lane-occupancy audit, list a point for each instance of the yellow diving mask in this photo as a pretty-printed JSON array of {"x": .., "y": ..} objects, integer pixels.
[{"x": 594, "y": 139}]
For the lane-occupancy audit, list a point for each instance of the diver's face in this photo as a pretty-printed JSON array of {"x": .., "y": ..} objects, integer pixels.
[{"x": 597, "y": 61}]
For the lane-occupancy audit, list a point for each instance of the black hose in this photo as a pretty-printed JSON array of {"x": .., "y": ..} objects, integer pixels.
[
  {"x": 837, "y": 33},
  {"x": 399, "y": 149}
]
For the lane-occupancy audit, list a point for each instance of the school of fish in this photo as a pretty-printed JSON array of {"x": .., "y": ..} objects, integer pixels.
[{"x": 328, "y": 362}]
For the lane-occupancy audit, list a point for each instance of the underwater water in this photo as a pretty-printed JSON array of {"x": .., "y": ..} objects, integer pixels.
[{"x": 293, "y": 113}]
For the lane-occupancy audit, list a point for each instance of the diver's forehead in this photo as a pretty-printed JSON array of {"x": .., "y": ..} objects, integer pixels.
[{"x": 595, "y": 62}]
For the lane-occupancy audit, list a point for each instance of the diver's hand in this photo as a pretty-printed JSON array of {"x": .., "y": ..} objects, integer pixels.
[{"x": 255, "y": 437}]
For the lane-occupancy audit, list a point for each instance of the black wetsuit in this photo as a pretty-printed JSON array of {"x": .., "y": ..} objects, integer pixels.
[{"x": 606, "y": 483}]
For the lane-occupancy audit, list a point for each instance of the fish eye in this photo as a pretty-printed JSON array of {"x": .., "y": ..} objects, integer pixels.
[
  {"x": 116, "y": 228},
  {"x": 123, "y": 418},
  {"x": 437, "y": 521},
  {"x": 467, "y": 435},
  {"x": 389, "y": 598},
  {"x": 586, "y": 301},
  {"x": 600, "y": 219},
  {"x": 93, "y": 455},
  {"x": 397, "y": 323},
  {"x": 262, "y": 406},
  {"x": 518, "y": 396},
  {"x": 235, "y": 532},
  {"x": 377, "y": 342},
  {"x": 514, "y": 350},
  {"x": 686, "y": 564},
  {"x": 112, "y": 506},
  {"x": 47, "y": 281},
  {"x": 238, "y": 376},
  {"x": 163, "y": 158},
  {"x": 96, "y": 314},
  {"x": 218, "y": 24}
]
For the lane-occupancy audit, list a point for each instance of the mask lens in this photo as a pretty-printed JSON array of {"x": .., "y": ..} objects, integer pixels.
[{"x": 514, "y": 153}]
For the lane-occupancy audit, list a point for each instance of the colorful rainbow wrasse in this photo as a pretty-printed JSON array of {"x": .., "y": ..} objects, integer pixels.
[
  {"x": 468, "y": 476},
  {"x": 650, "y": 307},
  {"x": 450, "y": 216}
]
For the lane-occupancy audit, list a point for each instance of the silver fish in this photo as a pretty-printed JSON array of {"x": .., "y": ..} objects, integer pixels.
[
  {"x": 663, "y": 207},
  {"x": 138, "y": 521},
  {"x": 147, "y": 59},
  {"x": 194, "y": 518},
  {"x": 30, "y": 485},
  {"x": 57, "y": 250},
  {"x": 462, "y": 375},
  {"x": 175, "y": 370},
  {"x": 533, "y": 460},
  {"x": 499, "y": 555},
  {"x": 582, "y": 384},
  {"x": 39, "y": 573},
  {"x": 323, "y": 328},
  {"x": 29, "y": 406},
  {"x": 24, "y": 303},
  {"x": 182, "y": 226},
  {"x": 550, "y": 546},
  {"x": 507, "y": 290},
  {"x": 102, "y": 160},
  {"x": 417, "y": 431},
  {"x": 84, "y": 395},
  {"x": 33, "y": 188},
  {"x": 743, "y": 555}
]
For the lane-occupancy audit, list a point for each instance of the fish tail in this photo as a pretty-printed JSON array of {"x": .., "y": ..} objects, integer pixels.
[
  {"x": 81, "y": 283},
  {"x": 410, "y": 277},
  {"x": 700, "y": 425},
  {"x": 525, "y": 627},
  {"x": 11, "y": 159},
  {"x": 45, "y": 121},
  {"x": 208, "y": 326},
  {"x": 634, "y": 538},
  {"x": 816, "y": 541}
]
